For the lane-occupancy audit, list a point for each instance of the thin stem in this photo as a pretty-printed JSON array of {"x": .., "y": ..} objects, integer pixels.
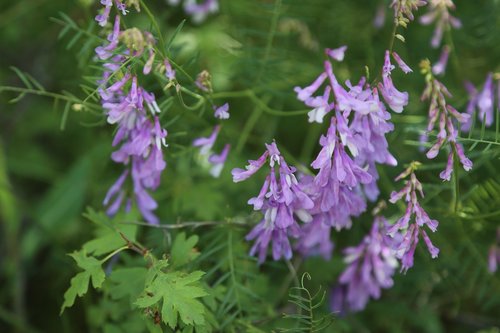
[
  {"x": 188, "y": 224},
  {"x": 109, "y": 256}
]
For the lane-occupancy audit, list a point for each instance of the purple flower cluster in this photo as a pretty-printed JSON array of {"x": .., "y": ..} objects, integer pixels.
[
  {"x": 282, "y": 202},
  {"x": 354, "y": 143},
  {"x": 439, "y": 12},
  {"x": 198, "y": 10},
  {"x": 405, "y": 250},
  {"x": 482, "y": 102},
  {"x": 351, "y": 148},
  {"x": 139, "y": 138},
  {"x": 444, "y": 115},
  {"x": 371, "y": 266}
]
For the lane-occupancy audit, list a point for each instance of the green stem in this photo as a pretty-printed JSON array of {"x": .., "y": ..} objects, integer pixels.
[{"x": 109, "y": 256}]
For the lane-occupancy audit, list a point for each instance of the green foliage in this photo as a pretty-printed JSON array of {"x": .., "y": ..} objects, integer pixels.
[
  {"x": 307, "y": 303},
  {"x": 92, "y": 271},
  {"x": 149, "y": 278},
  {"x": 176, "y": 293}
]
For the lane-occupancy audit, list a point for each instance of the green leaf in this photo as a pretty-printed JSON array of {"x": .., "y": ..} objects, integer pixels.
[
  {"x": 127, "y": 282},
  {"x": 183, "y": 250},
  {"x": 80, "y": 282},
  {"x": 178, "y": 293}
]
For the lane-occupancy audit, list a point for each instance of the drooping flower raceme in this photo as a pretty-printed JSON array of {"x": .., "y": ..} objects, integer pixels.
[
  {"x": 405, "y": 250},
  {"x": 445, "y": 116},
  {"x": 140, "y": 138},
  {"x": 371, "y": 266},
  {"x": 282, "y": 202},
  {"x": 439, "y": 12}
]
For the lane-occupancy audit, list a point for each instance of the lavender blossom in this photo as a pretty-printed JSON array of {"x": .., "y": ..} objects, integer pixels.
[
  {"x": 218, "y": 160},
  {"x": 394, "y": 98},
  {"x": 169, "y": 71},
  {"x": 405, "y": 250},
  {"x": 282, "y": 203},
  {"x": 207, "y": 143},
  {"x": 371, "y": 266},
  {"x": 221, "y": 112}
]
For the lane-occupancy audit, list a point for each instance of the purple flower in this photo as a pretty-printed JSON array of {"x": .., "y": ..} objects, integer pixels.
[
  {"x": 315, "y": 238},
  {"x": 169, "y": 71},
  {"x": 371, "y": 266},
  {"x": 405, "y": 250},
  {"x": 440, "y": 66},
  {"x": 321, "y": 106},
  {"x": 282, "y": 202},
  {"x": 221, "y": 112},
  {"x": 207, "y": 143},
  {"x": 394, "y": 98},
  {"x": 304, "y": 94},
  {"x": 218, "y": 160}
]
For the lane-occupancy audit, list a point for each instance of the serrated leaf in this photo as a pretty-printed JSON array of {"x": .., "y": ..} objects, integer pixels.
[
  {"x": 183, "y": 250},
  {"x": 178, "y": 293},
  {"x": 80, "y": 282}
]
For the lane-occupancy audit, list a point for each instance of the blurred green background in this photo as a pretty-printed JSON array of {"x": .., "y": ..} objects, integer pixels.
[{"x": 49, "y": 174}]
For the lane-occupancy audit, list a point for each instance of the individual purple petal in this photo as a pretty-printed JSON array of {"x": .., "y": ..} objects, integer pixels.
[
  {"x": 337, "y": 54},
  {"x": 306, "y": 93},
  {"x": 404, "y": 67}
]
